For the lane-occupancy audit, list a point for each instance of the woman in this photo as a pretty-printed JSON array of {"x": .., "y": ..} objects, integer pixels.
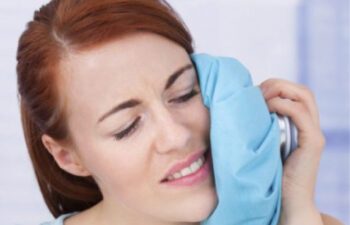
[{"x": 106, "y": 115}]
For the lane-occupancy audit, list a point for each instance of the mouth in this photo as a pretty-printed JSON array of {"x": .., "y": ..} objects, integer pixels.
[{"x": 196, "y": 168}]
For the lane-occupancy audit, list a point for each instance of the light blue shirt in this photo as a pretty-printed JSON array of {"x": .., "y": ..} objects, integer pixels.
[{"x": 59, "y": 220}]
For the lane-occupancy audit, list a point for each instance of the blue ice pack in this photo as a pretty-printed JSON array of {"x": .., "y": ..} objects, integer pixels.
[{"x": 245, "y": 144}]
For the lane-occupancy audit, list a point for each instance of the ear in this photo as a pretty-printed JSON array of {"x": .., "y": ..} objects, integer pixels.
[{"x": 65, "y": 157}]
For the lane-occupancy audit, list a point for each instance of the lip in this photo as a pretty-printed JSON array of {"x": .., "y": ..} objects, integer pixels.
[
  {"x": 180, "y": 165},
  {"x": 195, "y": 178}
]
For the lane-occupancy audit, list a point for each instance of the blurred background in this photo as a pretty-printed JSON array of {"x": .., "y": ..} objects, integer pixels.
[{"x": 304, "y": 41}]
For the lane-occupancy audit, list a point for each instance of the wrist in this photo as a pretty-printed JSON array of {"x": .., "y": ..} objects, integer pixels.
[{"x": 303, "y": 213}]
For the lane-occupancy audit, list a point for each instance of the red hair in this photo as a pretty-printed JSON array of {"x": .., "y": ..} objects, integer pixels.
[{"x": 68, "y": 25}]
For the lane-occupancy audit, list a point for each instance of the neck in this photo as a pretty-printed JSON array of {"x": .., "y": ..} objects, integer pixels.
[{"x": 104, "y": 214}]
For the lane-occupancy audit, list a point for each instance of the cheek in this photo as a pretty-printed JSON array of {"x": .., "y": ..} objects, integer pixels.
[
  {"x": 126, "y": 177},
  {"x": 202, "y": 118},
  {"x": 120, "y": 170}
]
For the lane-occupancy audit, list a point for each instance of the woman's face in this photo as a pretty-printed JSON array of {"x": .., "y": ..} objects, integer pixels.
[{"x": 168, "y": 128}]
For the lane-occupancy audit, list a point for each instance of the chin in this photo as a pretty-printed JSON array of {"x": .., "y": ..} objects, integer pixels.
[
  {"x": 204, "y": 209},
  {"x": 198, "y": 207}
]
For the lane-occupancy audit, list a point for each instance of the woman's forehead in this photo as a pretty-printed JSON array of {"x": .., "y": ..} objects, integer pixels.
[
  {"x": 120, "y": 68},
  {"x": 133, "y": 58}
]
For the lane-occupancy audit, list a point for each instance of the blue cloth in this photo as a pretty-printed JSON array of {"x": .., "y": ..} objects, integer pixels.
[{"x": 245, "y": 143}]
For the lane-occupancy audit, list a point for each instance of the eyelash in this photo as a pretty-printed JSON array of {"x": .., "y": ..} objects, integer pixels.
[{"x": 133, "y": 126}]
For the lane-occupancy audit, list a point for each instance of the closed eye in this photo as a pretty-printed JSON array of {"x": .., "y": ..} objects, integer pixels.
[
  {"x": 185, "y": 97},
  {"x": 133, "y": 126},
  {"x": 128, "y": 130}
]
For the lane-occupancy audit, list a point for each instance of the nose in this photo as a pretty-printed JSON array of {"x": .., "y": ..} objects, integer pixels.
[{"x": 171, "y": 131}]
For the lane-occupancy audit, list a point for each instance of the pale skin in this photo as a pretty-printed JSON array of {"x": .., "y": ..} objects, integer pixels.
[{"x": 127, "y": 170}]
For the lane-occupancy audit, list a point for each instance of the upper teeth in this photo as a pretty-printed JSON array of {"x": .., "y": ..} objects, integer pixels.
[{"x": 188, "y": 170}]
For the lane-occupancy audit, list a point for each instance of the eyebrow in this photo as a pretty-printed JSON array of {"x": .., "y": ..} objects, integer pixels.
[{"x": 134, "y": 102}]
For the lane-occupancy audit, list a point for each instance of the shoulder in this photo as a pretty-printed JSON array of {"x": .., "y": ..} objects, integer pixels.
[
  {"x": 330, "y": 220},
  {"x": 59, "y": 220}
]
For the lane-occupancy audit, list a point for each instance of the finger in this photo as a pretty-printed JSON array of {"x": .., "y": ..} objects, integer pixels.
[
  {"x": 295, "y": 110},
  {"x": 286, "y": 89},
  {"x": 309, "y": 135}
]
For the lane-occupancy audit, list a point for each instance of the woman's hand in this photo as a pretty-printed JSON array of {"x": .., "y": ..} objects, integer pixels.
[{"x": 300, "y": 168}]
